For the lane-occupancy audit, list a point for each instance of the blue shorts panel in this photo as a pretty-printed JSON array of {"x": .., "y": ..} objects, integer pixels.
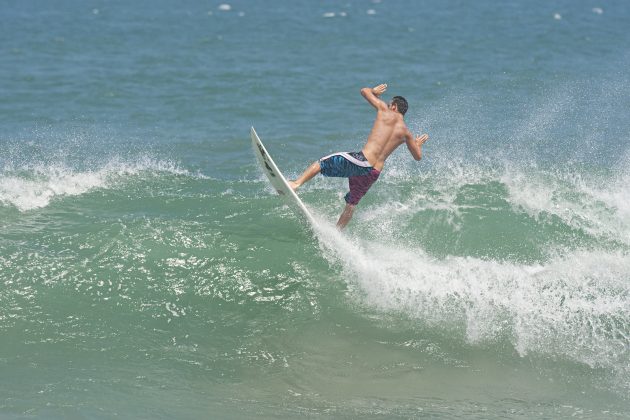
[{"x": 338, "y": 166}]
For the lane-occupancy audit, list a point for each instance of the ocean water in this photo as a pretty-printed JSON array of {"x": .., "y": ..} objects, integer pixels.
[{"x": 147, "y": 270}]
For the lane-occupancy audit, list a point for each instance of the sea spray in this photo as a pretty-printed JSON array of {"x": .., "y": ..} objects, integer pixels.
[
  {"x": 572, "y": 302},
  {"x": 489, "y": 280},
  {"x": 575, "y": 307},
  {"x": 31, "y": 186}
]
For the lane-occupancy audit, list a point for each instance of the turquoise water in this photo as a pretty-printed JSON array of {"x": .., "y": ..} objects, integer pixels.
[{"x": 148, "y": 270}]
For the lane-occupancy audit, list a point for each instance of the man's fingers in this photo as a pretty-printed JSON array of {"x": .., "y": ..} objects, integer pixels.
[{"x": 379, "y": 89}]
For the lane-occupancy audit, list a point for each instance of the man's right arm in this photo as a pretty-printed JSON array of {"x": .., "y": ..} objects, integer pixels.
[
  {"x": 415, "y": 145},
  {"x": 372, "y": 96}
]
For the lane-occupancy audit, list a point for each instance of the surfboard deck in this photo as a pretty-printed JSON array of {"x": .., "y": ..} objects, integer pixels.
[{"x": 277, "y": 180}]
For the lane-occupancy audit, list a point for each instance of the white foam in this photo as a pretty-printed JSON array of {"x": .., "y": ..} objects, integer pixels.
[
  {"x": 26, "y": 194},
  {"x": 578, "y": 202},
  {"x": 598, "y": 10},
  {"x": 576, "y": 306},
  {"x": 34, "y": 186},
  {"x": 598, "y": 204},
  {"x": 224, "y": 7},
  {"x": 329, "y": 15}
]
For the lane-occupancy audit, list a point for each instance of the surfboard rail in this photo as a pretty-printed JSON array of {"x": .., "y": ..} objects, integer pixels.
[{"x": 275, "y": 176}]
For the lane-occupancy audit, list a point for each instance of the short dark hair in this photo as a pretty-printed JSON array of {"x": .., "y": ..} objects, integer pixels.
[{"x": 401, "y": 104}]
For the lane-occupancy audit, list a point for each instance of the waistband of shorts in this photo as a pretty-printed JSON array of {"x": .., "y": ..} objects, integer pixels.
[{"x": 356, "y": 158}]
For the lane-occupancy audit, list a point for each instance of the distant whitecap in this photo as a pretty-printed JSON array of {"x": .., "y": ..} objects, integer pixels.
[
  {"x": 95, "y": 11},
  {"x": 557, "y": 16},
  {"x": 371, "y": 12},
  {"x": 241, "y": 14},
  {"x": 33, "y": 187},
  {"x": 329, "y": 14},
  {"x": 598, "y": 10},
  {"x": 225, "y": 7},
  {"x": 343, "y": 14}
]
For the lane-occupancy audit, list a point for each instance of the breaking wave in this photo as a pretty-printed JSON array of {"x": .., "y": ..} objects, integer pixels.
[
  {"x": 31, "y": 186},
  {"x": 539, "y": 258}
]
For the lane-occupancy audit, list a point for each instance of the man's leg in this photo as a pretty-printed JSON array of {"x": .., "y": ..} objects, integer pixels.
[
  {"x": 359, "y": 185},
  {"x": 345, "y": 216},
  {"x": 309, "y": 173}
]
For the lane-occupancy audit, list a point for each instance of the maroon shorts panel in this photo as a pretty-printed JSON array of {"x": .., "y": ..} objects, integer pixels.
[{"x": 359, "y": 185}]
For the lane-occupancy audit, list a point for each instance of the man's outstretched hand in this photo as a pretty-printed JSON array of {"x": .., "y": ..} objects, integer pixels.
[
  {"x": 422, "y": 139},
  {"x": 379, "y": 90}
]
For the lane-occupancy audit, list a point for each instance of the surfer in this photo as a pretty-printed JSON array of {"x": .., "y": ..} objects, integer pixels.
[{"x": 363, "y": 168}]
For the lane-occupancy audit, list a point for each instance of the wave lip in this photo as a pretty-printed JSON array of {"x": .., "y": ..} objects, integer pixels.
[{"x": 35, "y": 186}]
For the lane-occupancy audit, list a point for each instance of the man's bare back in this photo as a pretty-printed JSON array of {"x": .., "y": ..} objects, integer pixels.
[
  {"x": 363, "y": 168},
  {"x": 389, "y": 130}
]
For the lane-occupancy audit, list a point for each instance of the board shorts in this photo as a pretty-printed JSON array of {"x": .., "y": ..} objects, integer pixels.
[{"x": 354, "y": 166}]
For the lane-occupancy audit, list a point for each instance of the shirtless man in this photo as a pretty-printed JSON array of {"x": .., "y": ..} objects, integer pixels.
[{"x": 363, "y": 168}]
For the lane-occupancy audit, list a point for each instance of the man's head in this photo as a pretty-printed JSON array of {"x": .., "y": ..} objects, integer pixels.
[{"x": 399, "y": 104}]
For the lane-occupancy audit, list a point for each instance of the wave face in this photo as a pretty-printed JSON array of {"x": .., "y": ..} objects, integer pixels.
[
  {"x": 515, "y": 267},
  {"x": 536, "y": 258},
  {"x": 33, "y": 186}
]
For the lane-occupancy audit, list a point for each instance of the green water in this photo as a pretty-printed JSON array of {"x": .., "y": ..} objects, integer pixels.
[{"x": 148, "y": 270}]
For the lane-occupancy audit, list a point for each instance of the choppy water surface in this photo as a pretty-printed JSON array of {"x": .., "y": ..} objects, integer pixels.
[{"x": 148, "y": 271}]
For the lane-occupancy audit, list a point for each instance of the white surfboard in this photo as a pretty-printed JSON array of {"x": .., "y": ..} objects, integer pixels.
[{"x": 277, "y": 180}]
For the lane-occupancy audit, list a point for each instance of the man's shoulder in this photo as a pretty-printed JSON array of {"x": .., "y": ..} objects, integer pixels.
[{"x": 402, "y": 129}]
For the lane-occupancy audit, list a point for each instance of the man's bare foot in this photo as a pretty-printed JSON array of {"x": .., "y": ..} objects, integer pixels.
[{"x": 293, "y": 185}]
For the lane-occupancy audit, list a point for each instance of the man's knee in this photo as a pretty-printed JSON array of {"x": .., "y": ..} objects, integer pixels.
[{"x": 315, "y": 167}]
